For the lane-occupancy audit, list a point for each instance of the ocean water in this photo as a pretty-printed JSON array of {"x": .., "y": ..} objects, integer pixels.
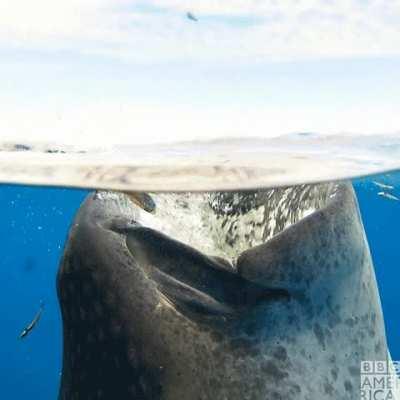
[
  {"x": 35, "y": 222},
  {"x": 33, "y": 232}
]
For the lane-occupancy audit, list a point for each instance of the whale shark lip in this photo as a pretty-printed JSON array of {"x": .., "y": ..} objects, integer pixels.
[
  {"x": 211, "y": 277},
  {"x": 192, "y": 281}
]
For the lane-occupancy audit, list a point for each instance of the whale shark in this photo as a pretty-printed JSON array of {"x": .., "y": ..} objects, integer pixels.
[{"x": 253, "y": 295}]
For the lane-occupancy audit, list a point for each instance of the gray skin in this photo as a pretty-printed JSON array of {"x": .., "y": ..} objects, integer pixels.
[{"x": 148, "y": 317}]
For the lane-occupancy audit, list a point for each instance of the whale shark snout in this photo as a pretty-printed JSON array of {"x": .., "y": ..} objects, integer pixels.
[{"x": 253, "y": 295}]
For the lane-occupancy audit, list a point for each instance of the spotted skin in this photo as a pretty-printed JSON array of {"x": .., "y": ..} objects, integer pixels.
[{"x": 146, "y": 317}]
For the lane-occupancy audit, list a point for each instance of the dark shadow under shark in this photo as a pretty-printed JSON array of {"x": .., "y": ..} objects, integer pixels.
[{"x": 289, "y": 312}]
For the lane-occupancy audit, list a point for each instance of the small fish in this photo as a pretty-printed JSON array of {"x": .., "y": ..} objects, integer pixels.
[
  {"x": 34, "y": 322},
  {"x": 388, "y": 196},
  {"x": 143, "y": 200},
  {"x": 383, "y": 185},
  {"x": 191, "y": 16}
]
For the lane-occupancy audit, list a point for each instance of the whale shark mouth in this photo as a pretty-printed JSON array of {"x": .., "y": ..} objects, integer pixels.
[
  {"x": 197, "y": 247},
  {"x": 225, "y": 224}
]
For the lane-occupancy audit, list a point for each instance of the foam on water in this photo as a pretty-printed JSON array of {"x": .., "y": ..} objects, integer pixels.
[{"x": 224, "y": 164}]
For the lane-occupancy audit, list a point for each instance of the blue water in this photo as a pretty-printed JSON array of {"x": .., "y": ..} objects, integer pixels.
[
  {"x": 35, "y": 223},
  {"x": 381, "y": 217},
  {"x": 34, "y": 226}
]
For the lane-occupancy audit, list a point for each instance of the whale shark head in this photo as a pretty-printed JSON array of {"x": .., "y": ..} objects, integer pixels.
[{"x": 233, "y": 295}]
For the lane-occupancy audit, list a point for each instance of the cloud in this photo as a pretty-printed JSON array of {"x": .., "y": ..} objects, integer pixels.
[
  {"x": 110, "y": 122},
  {"x": 232, "y": 30},
  {"x": 157, "y": 32}
]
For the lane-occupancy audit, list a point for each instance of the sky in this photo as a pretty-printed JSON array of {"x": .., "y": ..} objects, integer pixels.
[{"x": 120, "y": 71}]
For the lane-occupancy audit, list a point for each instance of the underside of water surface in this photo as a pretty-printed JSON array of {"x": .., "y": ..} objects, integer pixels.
[{"x": 203, "y": 165}]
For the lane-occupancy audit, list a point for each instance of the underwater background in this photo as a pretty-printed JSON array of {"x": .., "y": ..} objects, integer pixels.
[{"x": 34, "y": 226}]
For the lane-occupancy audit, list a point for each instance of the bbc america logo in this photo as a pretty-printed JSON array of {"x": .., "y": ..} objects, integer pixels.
[{"x": 379, "y": 380}]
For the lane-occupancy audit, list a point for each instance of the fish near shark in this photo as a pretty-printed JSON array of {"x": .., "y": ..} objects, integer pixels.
[
  {"x": 272, "y": 296},
  {"x": 28, "y": 329},
  {"x": 191, "y": 16}
]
